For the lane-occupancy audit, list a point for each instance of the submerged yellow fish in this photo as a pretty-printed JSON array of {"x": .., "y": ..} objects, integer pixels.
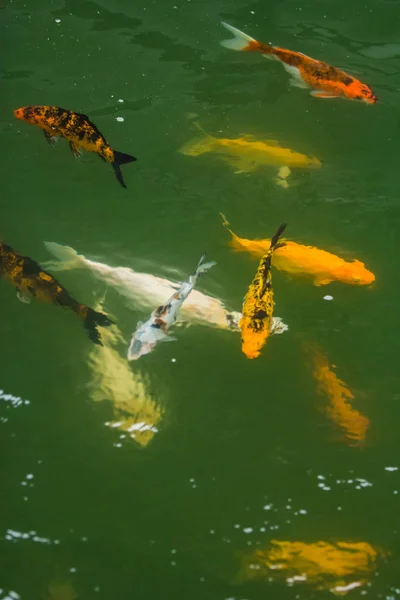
[
  {"x": 306, "y": 261},
  {"x": 136, "y": 414},
  {"x": 351, "y": 421},
  {"x": 338, "y": 567},
  {"x": 246, "y": 154}
]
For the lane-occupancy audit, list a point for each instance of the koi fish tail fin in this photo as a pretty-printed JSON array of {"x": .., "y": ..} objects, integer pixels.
[
  {"x": 202, "y": 266},
  {"x": 275, "y": 244},
  {"x": 235, "y": 241},
  {"x": 92, "y": 320},
  {"x": 241, "y": 41},
  {"x": 121, "y": 159},
  {"x": 67, "y": 257}
]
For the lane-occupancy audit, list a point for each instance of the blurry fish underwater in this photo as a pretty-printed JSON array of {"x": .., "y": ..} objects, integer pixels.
[
  {"x": 28, "y": 277},
  {"x": 246, "y": 154},
  {"x": 257, "y": 323},
  {"x": 306, "y": 261},
  {"x": 353, "y": 424},
  {"x": 156, "y": 328},
  {"x": 135, "y": 413},
  {"x": 80, "y": 132},
  {"x": 305, "y": 72},
  {"x": 146, "y": 291},
  {"x": 335, "y": 566}
]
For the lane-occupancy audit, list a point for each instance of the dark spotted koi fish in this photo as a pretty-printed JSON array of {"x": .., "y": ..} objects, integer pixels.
[
  {"x": 325, "y": 81},
  {"x": 156, "y": 328},
  {"x": 80, "y": 132},
  {"x": 258, "y": 322},
  {"x": 29, "y": 279}
]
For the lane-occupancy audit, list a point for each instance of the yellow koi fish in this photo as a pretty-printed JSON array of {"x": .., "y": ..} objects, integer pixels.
[
  {"x": 306, "y": 261},
  {"x": 338, "y": 567},
  {"x": 257, "y": 322},
  {"x": 135, "y": 413},
  {"x": 351, "y": 421},
  {"x": 246, "y": 154}
]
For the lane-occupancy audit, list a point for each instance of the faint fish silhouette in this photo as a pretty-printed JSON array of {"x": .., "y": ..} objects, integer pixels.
[
  {"x": 335, "y": 566},
  {"x": 135, "y": 412},
  {"x": 60, "y": 590},
  {"x": 246, "y": 154},
  {"x": 353, "y": 423}
]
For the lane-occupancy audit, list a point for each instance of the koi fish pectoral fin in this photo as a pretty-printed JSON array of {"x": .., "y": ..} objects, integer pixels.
[
  {"x": 296, "y": 80},
  {"x": 24, "y": 297},
  {"x": 168, "y": 338},
  {"x": 321, "y": 94},
  {"x": 76, "y": 151},
  {"x": 321, "y": 281},
  {"x": 278, "y": 326},
  {"x": 50, "y": 139},
  {"x": 182, "y": 324}
]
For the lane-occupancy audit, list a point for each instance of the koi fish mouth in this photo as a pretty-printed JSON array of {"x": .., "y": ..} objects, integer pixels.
[{"x": 19, "y": 113}]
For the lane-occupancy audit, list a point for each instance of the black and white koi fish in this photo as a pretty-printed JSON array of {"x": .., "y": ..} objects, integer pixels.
[{"x": 156, "y": 328}]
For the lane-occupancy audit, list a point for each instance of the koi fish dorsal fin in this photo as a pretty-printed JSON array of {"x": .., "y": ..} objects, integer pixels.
[
  {"x": 272, "y": 143},
  {"x": 199, "y": 127},
  {"x": 241, "y": 41}
]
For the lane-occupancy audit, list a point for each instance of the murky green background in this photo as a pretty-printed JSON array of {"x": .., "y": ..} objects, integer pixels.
[{"x": 85, "y": 507}]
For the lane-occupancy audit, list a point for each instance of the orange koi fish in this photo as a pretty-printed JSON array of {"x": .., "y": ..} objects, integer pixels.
[
  {"x": 335, "y": 566},
  {"x": 306, "y": 261},
  {"x": 351, "y": 421},
  {"x": 80, "y": 132},
  {"x": 257, "y": 322},
  {"x": 325, "y": 81},
  {"x": 30, "y": 280}
]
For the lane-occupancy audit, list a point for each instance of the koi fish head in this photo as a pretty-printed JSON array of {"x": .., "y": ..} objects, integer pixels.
[
  {"x": 34, "y": 115},
  {"x": 360, "y": 91},
  {"x": 355, "y": 273},
  {"x": 252, "y": 342},
  {"x": 197, "y": 146},
  {"x": 145, "y": 339}
]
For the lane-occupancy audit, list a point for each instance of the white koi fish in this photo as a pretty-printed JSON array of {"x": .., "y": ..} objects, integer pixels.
[
  {"x": 145, "y": 290},
  {"x": 156, "y": 328}
]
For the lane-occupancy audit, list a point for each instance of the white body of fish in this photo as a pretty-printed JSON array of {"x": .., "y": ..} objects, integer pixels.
[
  {"x": 156, "y": 328},
  {"x": 145, "y": 291}
]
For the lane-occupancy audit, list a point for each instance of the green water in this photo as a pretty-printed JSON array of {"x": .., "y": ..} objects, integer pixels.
[{"x": 115, "y": 520}]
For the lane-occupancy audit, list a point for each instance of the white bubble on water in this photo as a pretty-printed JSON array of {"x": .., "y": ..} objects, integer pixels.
[{"x": 120, "y": 119}]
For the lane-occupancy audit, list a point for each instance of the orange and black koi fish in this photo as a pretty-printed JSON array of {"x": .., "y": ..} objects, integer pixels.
[
  {"x": 326, "y": 81},
  {"x": 80, "y": 132},
  {"x": 27, "y": 276}
]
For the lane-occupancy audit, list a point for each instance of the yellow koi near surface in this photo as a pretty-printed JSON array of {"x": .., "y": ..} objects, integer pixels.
[
  {"x": 353, "y": 424},
  {"x": 246, "y": 154},
  {"x": 306, "y": 261},
  {"x": 338, "y": 567}
]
